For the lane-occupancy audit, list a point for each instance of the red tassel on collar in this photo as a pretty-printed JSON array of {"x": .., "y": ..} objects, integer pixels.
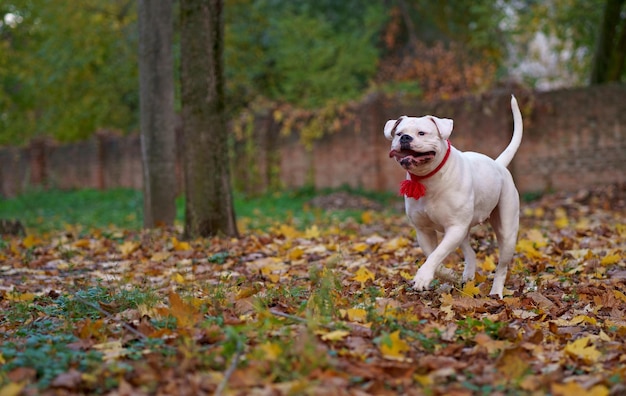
[{"x": 412, "y": 187}]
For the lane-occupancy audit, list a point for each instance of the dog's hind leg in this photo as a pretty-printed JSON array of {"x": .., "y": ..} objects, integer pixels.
[
  {"x": 470, "y": 259},
  {"x": 505, "y": 223}
]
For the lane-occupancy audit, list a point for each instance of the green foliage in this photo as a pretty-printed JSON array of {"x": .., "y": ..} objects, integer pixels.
[
  {"x": 67, "y": 69},
  {"x": 49, "y": 355},
  {"x": 301, "y": 52}
]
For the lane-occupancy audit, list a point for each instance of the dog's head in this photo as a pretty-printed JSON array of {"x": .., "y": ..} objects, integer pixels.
[{"x": 417, "y": 141}]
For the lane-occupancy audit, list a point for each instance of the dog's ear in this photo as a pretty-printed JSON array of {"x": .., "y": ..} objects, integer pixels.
[
  {"x": 444, "y": 126},
  {"x": 391, "y": 126}
]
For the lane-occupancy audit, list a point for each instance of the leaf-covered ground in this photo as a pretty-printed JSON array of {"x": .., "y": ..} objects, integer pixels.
[{"x": 323, "y": 310}]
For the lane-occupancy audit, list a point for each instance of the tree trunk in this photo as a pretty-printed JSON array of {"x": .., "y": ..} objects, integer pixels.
[
  {"x": 209, "y": 203},
  {"x": 606, "y": 47},
  {"x": 156, "y": 96}
]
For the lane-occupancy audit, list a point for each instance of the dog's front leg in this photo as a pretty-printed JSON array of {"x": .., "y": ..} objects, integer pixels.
[{"x": 452, "y": 238}]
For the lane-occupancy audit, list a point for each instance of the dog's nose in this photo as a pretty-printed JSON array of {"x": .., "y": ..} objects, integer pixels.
[{"x": 404, "y": 139}]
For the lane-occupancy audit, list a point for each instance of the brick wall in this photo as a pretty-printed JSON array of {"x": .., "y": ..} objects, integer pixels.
[{"x": 572, "y": 138}]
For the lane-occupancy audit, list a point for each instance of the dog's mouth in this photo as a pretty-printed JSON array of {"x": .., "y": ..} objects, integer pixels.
[{"x": 406, "y": 158}]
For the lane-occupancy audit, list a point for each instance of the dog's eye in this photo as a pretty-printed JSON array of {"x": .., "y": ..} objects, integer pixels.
[{"x": 421, "y": 133}]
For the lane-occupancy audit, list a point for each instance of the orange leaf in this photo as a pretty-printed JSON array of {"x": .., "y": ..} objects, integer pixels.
[{"x": 186, "y": 314}]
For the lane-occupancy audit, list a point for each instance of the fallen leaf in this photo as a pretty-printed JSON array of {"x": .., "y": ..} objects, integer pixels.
[
  {"x": 573, "y": 388},
  {"x": 180, "y": 246},
  {"x": 582, "y": 350},
  {"x": 336, "y": 335},
  {"x": 128, "y": 247},
  {"x": 360, "y": 247},
  {"x": 312, "y": 232},
  {"x": 513, "y": 364},
  {"x": 271, "y": 351},
  {"x": 488, "y": 264},
  {"x": 355, "y": 314},
  {"x": 12, "y": 389},
  {"x": 470, "y": 289},
  {"x": 363, "y": 275},
  {"x": 392, "y": 347}
]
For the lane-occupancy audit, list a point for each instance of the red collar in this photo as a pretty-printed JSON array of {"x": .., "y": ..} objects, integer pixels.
[{"x": 412, "y": 187}]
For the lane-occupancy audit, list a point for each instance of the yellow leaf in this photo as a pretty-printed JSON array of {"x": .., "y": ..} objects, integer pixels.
[
  {"x": 288, "y": 231},
  {"x": 470, "y": 289},
  {"x": 160, "y": 256},
  {"x": 296, "y": 253},
  {"x": 424, "y": 380},
  {"x": 583, "y": 318},
  {"x": 488, "y": 264},
  {"x": 180, "y": 246},
  {"x": 178, "y": 278},
  {"x": 336, "y": 335},
  {"x": 12, "y": 389},
  {"x": 561, "y": 220},
  {"x": 20, "y": 297},
  {"x": 393, "y": 347},
  {"x": 396, "y": 243},
  {"x": 30, "y": 241},
  {"x": 447, "y": 299},
  {"x": 581, "y": 350},
  {"x": 363, "y": 275},
  {"x": 356, "y": 315},
  {"x": 360, "y": 247},
  {"x": 82, "y": 243},
  {"x": 619, "y": 295},
  {"x": 312, "y": 232},
  {"x": 273, "y": 270},
  {"x": 367, "y": 217},
  {"x": 271, "y": 351},
  {"x": 537, "y": 237},
  {"x": 128, "y": 247},
  {"x": 611, "y": 259},
  {"x": 528, "y": 248},
  {"x": 573, "y": 388},
  {"x": 406, "y": 275}
]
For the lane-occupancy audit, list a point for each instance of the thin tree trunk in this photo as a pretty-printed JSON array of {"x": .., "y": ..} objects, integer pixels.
[
  {"x": 208, "y": 196},
  {"x": 618, "y": 61},
  {"x": 156, "y": 92},
  {"x": 605, "y": 46}
]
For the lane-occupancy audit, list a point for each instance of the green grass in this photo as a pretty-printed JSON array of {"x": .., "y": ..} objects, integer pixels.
[{"x": 44, "y": 211}]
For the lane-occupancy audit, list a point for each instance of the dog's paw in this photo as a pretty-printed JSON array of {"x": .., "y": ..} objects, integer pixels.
[{"x": 422, "y": 281}]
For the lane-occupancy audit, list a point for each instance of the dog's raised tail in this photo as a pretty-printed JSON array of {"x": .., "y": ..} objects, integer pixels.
[{"x": 518, "y": 130}]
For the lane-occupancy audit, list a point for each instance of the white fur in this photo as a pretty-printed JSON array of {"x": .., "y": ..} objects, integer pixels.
[{"x": 469, "y": 189}]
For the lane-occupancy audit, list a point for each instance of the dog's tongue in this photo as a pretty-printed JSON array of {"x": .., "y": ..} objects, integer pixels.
[{"x": 393, "y": 153}]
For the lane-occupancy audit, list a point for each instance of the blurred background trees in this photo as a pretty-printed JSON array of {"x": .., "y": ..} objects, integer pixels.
[{"x": 70, "y": 68}]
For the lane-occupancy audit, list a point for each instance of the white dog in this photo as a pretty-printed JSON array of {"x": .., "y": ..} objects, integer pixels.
[{"x": 449, "y": 191}]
